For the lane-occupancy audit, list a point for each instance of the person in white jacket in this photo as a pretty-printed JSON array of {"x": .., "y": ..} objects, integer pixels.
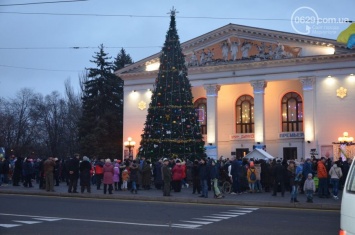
[{"x": 335, "y": 174}]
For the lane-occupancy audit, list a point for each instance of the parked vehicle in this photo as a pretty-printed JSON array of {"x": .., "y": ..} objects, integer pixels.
[{"x": 347, "y": 213}]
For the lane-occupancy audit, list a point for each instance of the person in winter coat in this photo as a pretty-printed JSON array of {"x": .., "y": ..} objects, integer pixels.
[
  {"x": 116, "y": 176},
  {"x": 177, "y": 172},
  {"x": 291, "y": 172},
  {"x": 72, "y": 166},
  {"x": 28, "y": 171},
  {"x": 85, "y": 175},
  {"x": 203, "y": 171},
  {"x": 279, "y": 180},
  {"x": 258, "y": 187},
  {"x": 335, "y": 174},
  {"x": 125, "y": 178},
  {"x": 166, "y": 175},
  {"x": 214, "y": 175},
  {"x": 196, "y": 184},
  {"x": 158, "y": 180},
  {"x": 16, "y": 177},
  {"x": 134, "y": 176},
  {"x": 251, "y": 176},
  {"x": 146, "y": 172},
  {"x": 48, "y": 171},
  {"x": 309, "y": 187},
  {"x": 108, "y": 176},
  {"x": 322, "y": 174},
  {"x": 99, "y": 165}
]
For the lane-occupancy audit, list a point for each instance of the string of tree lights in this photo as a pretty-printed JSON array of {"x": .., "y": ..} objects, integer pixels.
[{"x": 171, "y": 127}]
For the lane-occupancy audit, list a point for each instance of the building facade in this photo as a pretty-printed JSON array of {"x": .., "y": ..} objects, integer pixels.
[{"x": 258, "y": 88}]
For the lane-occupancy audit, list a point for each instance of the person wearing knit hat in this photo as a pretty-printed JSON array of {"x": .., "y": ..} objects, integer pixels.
[{"x": 309, "y": 187}]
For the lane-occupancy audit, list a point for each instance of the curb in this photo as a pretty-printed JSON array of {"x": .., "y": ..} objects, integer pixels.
[{"x": 207, "y": 201}]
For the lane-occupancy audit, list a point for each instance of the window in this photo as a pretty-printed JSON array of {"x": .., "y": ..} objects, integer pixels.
[
  {"x": 292, "y": 112},
  {"x": 245, "y": 114},
  {"x": 201, "y": 110}
]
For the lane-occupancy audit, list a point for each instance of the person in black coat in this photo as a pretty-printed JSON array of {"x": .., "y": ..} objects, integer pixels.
[
  {"x": 196, "y": 184},
  {"x": 279, "y": 178},
  {"x": 158, "y": 180},
  {"x": 16, "y": 177},
  {"x": 73, "y": 173},
  {"x": 204, "y": 175},
  {"x": 28, "y": 171},
  {"x": 85, "y": 175}
]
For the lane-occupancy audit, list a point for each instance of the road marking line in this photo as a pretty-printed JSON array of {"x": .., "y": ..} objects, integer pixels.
[
  {"x": 10, "y": 225},
  {"x": 47, "y": 219},
  {"x": 197, "y": 222},
  {"x": 213, "y": 220},
  {"x": 241, "y": 211},
  {"x": 90, "y": 220},
  {"x": 190, "y": 226},
  {"x": 27, "y": 222},
  {"x": 250, "y": 209},
  {"x": 226, "y": 213},
  {"x": 218, "y": 217},
  {"x": 224, "y": 216}
]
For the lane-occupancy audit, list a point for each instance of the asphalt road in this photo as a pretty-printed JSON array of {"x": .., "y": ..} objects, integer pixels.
[{"x": 66, "y": 216}]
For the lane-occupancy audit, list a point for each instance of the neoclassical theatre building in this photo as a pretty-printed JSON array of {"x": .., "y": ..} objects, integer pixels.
[{"x": 287, "y": 93}]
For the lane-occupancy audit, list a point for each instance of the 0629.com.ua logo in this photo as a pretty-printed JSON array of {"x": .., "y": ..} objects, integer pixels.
[{"x": 305, "y": 20}]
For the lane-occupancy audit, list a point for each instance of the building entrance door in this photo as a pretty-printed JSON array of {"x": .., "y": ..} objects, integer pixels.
[
  {"x": 240, "y": 153},
  {"x": 290, "y": 153}
]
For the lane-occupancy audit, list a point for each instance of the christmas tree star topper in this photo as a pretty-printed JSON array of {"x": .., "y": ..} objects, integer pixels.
[{"x": 173, "y": 12}]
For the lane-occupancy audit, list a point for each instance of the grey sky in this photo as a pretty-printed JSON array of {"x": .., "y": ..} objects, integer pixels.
[{"x": 142, "y": 33}]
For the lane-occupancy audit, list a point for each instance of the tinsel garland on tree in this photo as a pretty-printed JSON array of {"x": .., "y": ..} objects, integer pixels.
[{"x": 171, "y": 128}]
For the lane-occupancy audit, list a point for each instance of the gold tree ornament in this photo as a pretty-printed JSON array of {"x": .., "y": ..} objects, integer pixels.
[
  {"x": 341, "y": 92},
  {"x": 142, "y": 105}
]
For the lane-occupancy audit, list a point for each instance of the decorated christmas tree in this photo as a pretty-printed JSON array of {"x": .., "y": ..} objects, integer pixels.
[{"x": 171, "y": 128}]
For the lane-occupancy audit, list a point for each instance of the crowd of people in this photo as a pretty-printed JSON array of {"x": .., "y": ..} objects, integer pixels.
[{"x": 322, "y": 177}]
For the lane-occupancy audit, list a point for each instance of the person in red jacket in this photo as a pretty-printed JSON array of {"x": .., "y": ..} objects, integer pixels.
[
  {"x": 177, "y": 176},
  {"x": 322, "y": 175}
]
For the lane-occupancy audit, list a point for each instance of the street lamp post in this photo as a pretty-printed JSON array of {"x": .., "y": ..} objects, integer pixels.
[{"x": 130, "y": 145}]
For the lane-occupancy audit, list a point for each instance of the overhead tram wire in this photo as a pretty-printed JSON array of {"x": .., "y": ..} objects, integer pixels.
[
  {"x": 39, "y": 3},
  {"x": 28, "y": 68},
  {"x": 140, "y": 16},
  {"x": 74, "y": 47}
]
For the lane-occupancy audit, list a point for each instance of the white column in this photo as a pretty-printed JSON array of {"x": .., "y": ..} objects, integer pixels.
[
  {"x": 259, "y": 122},
  {"x": 308, "y": 113},
  {"x": 212, "y": 95}
]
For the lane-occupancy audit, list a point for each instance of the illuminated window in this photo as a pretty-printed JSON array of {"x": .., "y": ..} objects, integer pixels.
[
  {"x": 245, "y": 114},
  {"x": 292, "y": 112},
  {"x": 201, "y": 110}
]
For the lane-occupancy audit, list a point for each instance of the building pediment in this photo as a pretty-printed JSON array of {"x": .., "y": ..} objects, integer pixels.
[{"x": 237, "y": 44}]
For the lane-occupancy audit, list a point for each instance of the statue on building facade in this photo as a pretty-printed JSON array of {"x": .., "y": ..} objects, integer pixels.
[{"x": 234, "y": 49}]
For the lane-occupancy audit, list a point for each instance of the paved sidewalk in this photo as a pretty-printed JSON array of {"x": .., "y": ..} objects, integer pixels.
[{"x": 185, "y": 196}]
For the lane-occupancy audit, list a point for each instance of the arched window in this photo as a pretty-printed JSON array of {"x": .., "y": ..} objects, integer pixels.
[
  {"x": 245, "y": 114},
  {"x": 292, "y": 112},
  {"x": 201, "y": 110}
]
